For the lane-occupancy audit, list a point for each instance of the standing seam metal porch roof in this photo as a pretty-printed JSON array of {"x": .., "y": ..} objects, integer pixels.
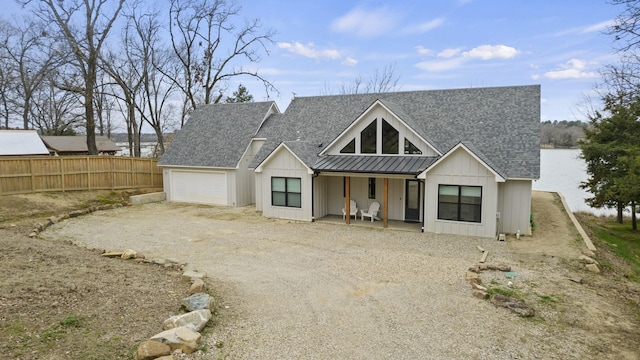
[{"x": 401, "y": 165}]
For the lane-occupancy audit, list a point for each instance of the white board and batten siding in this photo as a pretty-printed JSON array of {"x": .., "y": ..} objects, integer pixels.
[
  {"x": 514, "y": 205},
  {"x": 245, "y": 193},
  {"x": 284, "y": 164},
  {"x": 359, "y": 193},
  {"x": 468, "y": 172},
  {"x": 196, "y": 186}
]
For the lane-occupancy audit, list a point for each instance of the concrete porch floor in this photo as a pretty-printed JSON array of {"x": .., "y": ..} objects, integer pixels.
[{"x": 393, "y": 224}]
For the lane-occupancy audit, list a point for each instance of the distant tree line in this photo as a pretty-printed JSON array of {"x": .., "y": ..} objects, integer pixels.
[{"x": 561, "y": 134}]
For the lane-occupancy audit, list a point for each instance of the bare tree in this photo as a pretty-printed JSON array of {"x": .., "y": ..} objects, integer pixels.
[
  {"x": 55, "y": 111},
  {"x": 211, "y": 47},
  {"x": 33, "y": 58},
  {"x": 384, "y": 80},
  {"x": 84, "y": 25},
  {"x": 7, "y": 72},
  {"x": 156, "y": 72}
]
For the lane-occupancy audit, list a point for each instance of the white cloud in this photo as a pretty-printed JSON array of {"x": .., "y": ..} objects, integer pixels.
[
  {"x": 422, "y": 50},
  {"x": 363, "y": 22},
  {"x": 573, "y": 69},
  {"x": 487, "y": 52},
  {"x": 447, "y": 53},
  {"x": 440, "y": 65},
  {"x": 535, "y": 77},
  {"x": 309, "y": 50},
  {"x": 349, "y": 61},
  {"x": 423, "y": 27}
]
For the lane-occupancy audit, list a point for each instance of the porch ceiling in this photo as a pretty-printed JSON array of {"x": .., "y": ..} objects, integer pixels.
[{"x": 405, "y": 165}]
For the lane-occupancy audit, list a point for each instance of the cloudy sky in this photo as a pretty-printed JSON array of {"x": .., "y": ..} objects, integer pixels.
[
  {"x": 439, "y": 44},
  {"x": 322, "y": 45}
]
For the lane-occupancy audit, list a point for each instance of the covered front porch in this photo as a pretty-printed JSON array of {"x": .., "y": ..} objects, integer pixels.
[{"x": 388, "y": 183}]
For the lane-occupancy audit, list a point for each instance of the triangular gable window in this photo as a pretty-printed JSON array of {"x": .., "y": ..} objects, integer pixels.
[
  {"x": 368, "y": 138},
  {"x": 409, "y": 148},
  {"x": 390, "y": 138},
  {"x": 350, "y": 148}
]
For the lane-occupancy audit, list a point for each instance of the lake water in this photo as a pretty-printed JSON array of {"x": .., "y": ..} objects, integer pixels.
[{"x": 562, "y": 170}]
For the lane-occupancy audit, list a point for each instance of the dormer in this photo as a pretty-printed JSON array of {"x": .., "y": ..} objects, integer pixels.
[{"x": 379, "y": 131}]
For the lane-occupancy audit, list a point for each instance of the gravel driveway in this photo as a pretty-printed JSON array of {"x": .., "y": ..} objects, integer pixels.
[{"x": 290, "y": 290}]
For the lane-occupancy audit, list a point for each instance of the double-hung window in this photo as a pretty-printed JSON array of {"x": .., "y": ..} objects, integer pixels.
[
  {"x": 286, "y": 192},
  {"x": 460, "y": 203}
]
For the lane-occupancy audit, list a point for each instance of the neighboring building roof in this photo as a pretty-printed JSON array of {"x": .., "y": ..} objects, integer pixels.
[
  {"x": 78, "y": 144},
  {"x": 21, "y": 142},
  {"x": 500, "y": 124},
  {"x": 217, "y": 135}
]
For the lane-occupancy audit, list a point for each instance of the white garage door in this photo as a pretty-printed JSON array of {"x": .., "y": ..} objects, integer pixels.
[{"x": 199, "y": 187}]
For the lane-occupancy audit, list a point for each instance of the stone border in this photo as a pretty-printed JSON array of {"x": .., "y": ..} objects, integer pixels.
[
  {"x": 583, "y": 234},
  {"x": 56, "y": 219},
  {"x": 147, "y": 198}
]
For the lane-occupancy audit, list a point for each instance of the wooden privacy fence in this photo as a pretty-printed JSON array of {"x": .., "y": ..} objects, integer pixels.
[{"x": 20, "y": 174}]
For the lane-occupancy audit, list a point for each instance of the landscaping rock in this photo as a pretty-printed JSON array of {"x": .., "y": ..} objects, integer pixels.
[
  {"x": 587, "y": 260},
  {"x": 195, "y": 320},
  {"x": 473, "y": 276},
  {"x": 476, "y": 286},
  {"x": 192, "y": 275},
  {"x": 588, "y": 253},
  {"x": 517, "y": 306},
  {"x": 593, "y": 268},
  {"x": 181, "y": 338},
  {"x": 152, "y": 349},
  {"x": 198, "y": 286},
  {"x": 198, "y": 301},
  {"x": 128, "y": 254},
  {"x": 504, "y": 267}
]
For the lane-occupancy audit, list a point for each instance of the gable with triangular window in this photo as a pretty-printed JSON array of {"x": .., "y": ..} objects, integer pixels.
[{"x": 378, "y": 131}]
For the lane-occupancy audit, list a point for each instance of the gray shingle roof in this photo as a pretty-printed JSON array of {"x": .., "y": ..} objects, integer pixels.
[
  {"x": 78, "y": 144},
  {"x": 216, "y": 135},
  {"x": 502, "y": 124}
]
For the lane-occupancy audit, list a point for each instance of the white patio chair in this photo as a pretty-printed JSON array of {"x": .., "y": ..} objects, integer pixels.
[
  {"x": 371, "y": 212},
  {"x": 353, "y": 210}
]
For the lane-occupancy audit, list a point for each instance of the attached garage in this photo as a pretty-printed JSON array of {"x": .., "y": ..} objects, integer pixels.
[{"x": 206, "y": 187}]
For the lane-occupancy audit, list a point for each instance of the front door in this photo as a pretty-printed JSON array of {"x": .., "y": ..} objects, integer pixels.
[{"x": 412, "y": 201}]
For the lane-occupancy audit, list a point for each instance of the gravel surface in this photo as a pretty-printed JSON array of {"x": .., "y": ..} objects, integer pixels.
[{"x": 291, "y": 290}]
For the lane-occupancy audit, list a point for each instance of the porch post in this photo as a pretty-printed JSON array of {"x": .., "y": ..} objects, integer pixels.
[
  {"x": 347, "y": 199},
  {"x": 385, "y": 211}
]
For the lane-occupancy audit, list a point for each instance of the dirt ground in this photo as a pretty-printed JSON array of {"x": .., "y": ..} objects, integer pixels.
[{"x": 61, "y": 301}]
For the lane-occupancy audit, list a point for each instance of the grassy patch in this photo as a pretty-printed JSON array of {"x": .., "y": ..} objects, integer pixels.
[
  {"x": 72, "y": 321},
  {"x": 549, "y": 299},
  {"x": 623, "y": 241},
  {"x": 503, "y": 291}
]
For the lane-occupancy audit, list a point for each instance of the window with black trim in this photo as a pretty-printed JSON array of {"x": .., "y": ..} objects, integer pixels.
[
  {"x": 390, "y": 138},
  {"x": 460, "y": 203},
  {"x": 372, "y": 188},
  {"x": 350, "y": 148},
  {"x": 409, "y": 148},
  {"x": 286, "y": 192},
  {"x": 369, "y": 138}
]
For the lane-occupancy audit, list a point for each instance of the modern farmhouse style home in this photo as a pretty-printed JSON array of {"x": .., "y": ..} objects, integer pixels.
[{"x": 458, "y": 161}]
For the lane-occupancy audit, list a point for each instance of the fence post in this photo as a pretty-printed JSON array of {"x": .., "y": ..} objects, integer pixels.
[
  {"x": 62, "y": 173},
  {"x": 33, "y": 183},
  {"x": 88, "y": 174}
]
